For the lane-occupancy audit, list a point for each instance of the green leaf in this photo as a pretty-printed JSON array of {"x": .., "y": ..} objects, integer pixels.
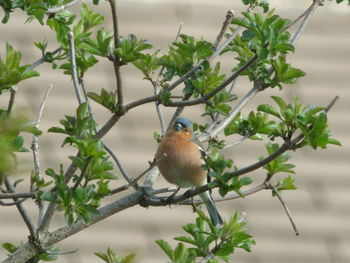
[
  {"x": 166, "y": 248},
  {"x": 286, "y": 184},
  {"x": 280, "y": 102},
  {"x": 269, "y": 110},
  {"x": 180, "y": 253}
]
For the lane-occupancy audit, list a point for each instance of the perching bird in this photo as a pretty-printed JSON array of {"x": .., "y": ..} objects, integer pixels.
[{"x": 180, "y": 162}]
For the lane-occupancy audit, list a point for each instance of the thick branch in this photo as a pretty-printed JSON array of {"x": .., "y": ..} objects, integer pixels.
[
  {"x": 29, "y": 250},
  {"x": 17, "y": 195}
]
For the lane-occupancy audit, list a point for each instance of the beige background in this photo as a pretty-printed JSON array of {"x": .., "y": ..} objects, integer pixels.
[{"x": 321, "y": 204}]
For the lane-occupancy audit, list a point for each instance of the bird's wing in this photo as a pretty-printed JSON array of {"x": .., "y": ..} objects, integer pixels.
[{"x": 200, "y": 147}]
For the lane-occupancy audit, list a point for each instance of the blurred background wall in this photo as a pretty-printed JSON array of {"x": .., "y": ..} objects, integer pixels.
[{"x": 321, "y": 204}]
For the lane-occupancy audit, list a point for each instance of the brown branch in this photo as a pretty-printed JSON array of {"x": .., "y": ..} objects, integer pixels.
[
  {"x": 13, "y": 91},
  {"x": 273, "y": 188},
  {"x": 116, "y": 60},
  {"x": 21, "y": 209},
  {"x": 82, "y": 174},
  {"x": 229, "y": 15}
]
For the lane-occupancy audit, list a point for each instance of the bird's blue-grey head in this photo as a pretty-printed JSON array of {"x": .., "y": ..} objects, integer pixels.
[{"x": 181, "y": 123}]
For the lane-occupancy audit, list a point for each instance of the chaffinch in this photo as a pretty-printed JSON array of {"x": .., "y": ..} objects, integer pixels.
[{"x": 180, "y": 162}]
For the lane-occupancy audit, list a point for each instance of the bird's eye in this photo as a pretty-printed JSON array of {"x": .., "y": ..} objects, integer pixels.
[{"x": 185, "y": 129}]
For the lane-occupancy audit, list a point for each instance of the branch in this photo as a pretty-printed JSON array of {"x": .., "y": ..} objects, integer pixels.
[
  {"x": 271, "y": 186},
  {"x": 116, "y": 60},
  {"x": 42, "y": 59},
  {"x": 82, "y": 174},
  {"x": 306, "y": 19},
  {"x": 36, "y": 158},
  {"x": 2, "y": 203},
  {"x": 56, "y": 9},
  {"x": 223, "y": 85},
  {"x": 35, "y": 141},
  {"x": 76, "y": 83},
  {"x": 116, "y": 160},
  {"x": 219, "y": 128},
  {"x": 29, "y": 250},
  {"x": 23, "y": 212},
  {"x": 239, "y": 141},
  {"x": 245, "y": 193},
  {"x": 299, "y": 17},
  {"x": 157, "y": 90},
  {"x": 178, "y": 111},
  {"x": 17, "y": 195},
  {"x": 13, "y": 91},
  {"x": 229, "y": 15}
]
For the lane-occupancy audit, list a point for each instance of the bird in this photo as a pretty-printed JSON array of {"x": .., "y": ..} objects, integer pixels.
[{"x": 179, "y": 160}]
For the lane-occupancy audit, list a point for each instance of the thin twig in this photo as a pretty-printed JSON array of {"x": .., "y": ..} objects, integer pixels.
[
  {"x": 56, "y": 9},
  {"x": 116, "y": 60},
  {"x": 306, "y": 19},
  {"x": 178, "y": 111},
  {"x": 120, "y": 166},
  {"x": 298, "y": 18},
  {"x": 234, "y": 196},
  {"x": 82, "y": 174},
  {"x": 219, "y": 88},
  {"x": 160, "y": 113},
  {"x": 36, "y": 158},
  {"x": 153, "y": 164},
  {"x": 239, "y": 141},
  {"x": 120, "y": 189},
  {"x": 331, "y": 104},
  {"x": 35, "y": 141},
  {"x": 208, "y": 59},
  {"x": 21, "y": 209},
  {"x": 157, "y": 90},
  {"x": 229, "y": 15},
  {"x": 13, "y": 92},
  {"x": 42, "y": 59},
  {"x": 221, "y": 126},
  {"x": 285, "y": 207},
  {"x": 75, "y": 77}
]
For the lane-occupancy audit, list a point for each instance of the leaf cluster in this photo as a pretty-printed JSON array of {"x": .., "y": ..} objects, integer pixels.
[
  {"x": 81, "y": 200},
  {"x": 265, "y": 38},
  {"x": 111, "y": 257},
  {"x": 204, "y": 239},
  {"x": 11, "y": 72},
  {"x": 11, "y": 141}
]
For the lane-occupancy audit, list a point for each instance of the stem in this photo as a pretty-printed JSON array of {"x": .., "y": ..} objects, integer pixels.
[
  {"x": 116, "y": 60},
  {"x": 229, "y": 15},
  {"x": 285, "y": 207},
  {"x": 21, "y": 209},
  {"x": 76, "y": 83},
  {"x": 13, "y": 92}
]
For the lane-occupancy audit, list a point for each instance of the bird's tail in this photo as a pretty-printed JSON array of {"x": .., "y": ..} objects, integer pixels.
[{"x": 212, "y": 210}]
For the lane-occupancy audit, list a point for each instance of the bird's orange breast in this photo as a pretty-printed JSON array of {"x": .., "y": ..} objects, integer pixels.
[{"x": 180, "y": 161}]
